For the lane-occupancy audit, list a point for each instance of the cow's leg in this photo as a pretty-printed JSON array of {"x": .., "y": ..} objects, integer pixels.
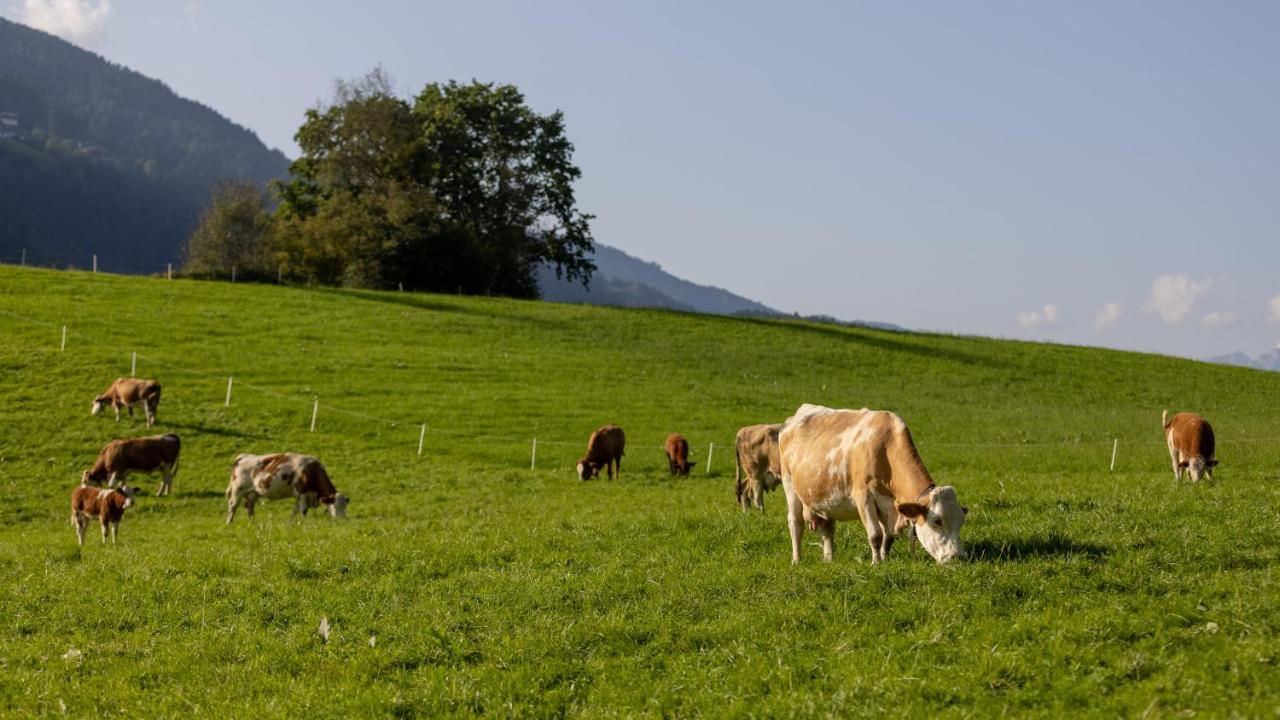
[
  {"x": 79, "y": 521},
  {"x": 875, "y": 531},
  {"x": 757, "y": 496},
  {"x": 233, "y": 502},
  {"x": 111, "y": 478},
  {"x": 795, "y": 519},
  {"x": 104, "y": 531},
  {"x": 827, "y": 531},
  {"x": 300, "y": 507},
  {"x": 115, "y": 528},
  {"x": 249, "y": 501},
  {"x": 889, "y": 523},
  {"x": 117, "y": 409},
  {"x": 617, "y": 467}
]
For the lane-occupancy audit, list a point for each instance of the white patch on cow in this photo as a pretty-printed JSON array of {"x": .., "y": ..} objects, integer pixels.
[
  {"x": 97, "y": 407},
  {"x": 104, "y": 493},
  {"x": 939, "y": 533}
]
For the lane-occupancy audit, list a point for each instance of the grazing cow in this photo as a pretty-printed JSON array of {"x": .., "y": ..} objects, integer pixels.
[
  {"x": 136, "y": 455},
  {"x": 604, "y": 449},
  {"x": 757, "y": 458},
  {"x": 677, "y": 449},
  {"x": 281, "y": 475},
  {"x": 127, "y": 392},
  {"x": 108, "y": 505},
  {"x": 1190, "y": 440},
  {"x": 839, "y": 465}
]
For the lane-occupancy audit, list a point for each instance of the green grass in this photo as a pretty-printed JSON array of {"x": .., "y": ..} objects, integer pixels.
[{"x": 492, "y": 589}]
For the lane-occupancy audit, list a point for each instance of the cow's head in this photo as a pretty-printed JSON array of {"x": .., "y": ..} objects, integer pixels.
[
  {"x": 1198, "y": 467},
  {"x": 338, "y": 506},
  {"x": 937, "y": 516},
  {"x": 128, "y": 493},
  {"x": 89, "y": 478},
  {"x": 587, "y": 469},
  {"x": 98, "y": 404},
  {"x": 685, "y": 467}
]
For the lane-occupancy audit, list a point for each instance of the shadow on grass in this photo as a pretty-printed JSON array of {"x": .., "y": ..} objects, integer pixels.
[
  {"x": 212, "y": 430},
  {"x": 418, "y": 301},
  {"x": 202, "y": 495},
  {"x": 875, "y": 339},
  {"x": 1032, "y": 548}
]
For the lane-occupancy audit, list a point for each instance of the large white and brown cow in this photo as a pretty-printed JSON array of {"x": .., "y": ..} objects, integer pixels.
[
  {"x": 146, "y": 455},
  {"x": 757, "y": 469},
  {"x": 838, "y": 465},
  {"x": 281, "y": 475},
  {"x": 127, "y": 392},
  {"x": 1191, "y": 445}
]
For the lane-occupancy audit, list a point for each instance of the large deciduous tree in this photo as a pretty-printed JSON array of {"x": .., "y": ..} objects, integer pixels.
[
  {"x": 467, "y": 188},
  {"x": 234, "y": 233}
]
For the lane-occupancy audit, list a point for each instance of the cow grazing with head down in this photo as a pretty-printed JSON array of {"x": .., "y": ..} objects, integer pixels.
[
  {"x": 1191, "y": 445},
  {"x": 839, "y": 465},
  {"x": 604, "y": 450},
  {"x": 108, "y": 505},
  {"x": 282, "y": 475},
  {"x": 127, "y": 392},
  {"x": 157, "y": 453},
  {"x": 677, "y": 449},
  {"x": 756, "y": 469}
]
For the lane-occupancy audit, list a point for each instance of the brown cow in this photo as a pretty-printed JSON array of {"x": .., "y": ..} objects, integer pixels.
[
  {"x": 840, "y": 465},
  {"x": 677, "y": 449},
  {"x": 281, "y": 475},
  {"x": 604, "y": 449},
  {"x": 106, "y": 505},
  {"x": 756, "y": 449},
  {"x": 1191, "y": 445},
  {"x": 127, "y": 392},
  {"x": 136, "y": 455}
]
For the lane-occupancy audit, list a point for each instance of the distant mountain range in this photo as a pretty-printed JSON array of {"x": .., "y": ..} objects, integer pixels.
[
  {"x": 622, "y": 280},
  {"x": 1269, "y": 360},
  {"x": 98, "y": 159}
]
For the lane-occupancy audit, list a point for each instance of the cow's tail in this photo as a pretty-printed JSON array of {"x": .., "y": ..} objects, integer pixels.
[{"x": 1164, "y": 419}]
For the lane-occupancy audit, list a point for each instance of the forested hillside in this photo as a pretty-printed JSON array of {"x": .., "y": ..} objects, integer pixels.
[{"x": 97, "y": 158}]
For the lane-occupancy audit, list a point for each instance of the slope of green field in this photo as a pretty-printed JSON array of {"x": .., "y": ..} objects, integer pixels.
[{"x": 465, "y": 583}]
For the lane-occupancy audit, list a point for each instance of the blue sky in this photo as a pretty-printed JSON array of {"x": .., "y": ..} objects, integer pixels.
[{"x": 1103, "y": 173}]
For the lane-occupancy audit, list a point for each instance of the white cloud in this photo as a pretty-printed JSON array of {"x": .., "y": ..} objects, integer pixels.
[
  {"x": 1275, "y": 309},
  {"x": 1219, "y": 319},
  {"x": 80, "y": 21},
  {"x": 1175, "y": 296},
  {"x": 1108, "y": 315},
  {"x": 1046, "y": 318}
]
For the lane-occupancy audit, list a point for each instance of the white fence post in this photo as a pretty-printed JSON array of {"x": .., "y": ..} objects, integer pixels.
[
  {"x": 1114, "y": 447},
  {"x": 422, "y": 437},
  {"x": 710, "y": 449},
  {"x": 64, "y": 339},
  {"x": 95, "y": 263},
  {"x": 279, "y": 274},
  {"x": 228, "y": 402},
  {"x": 315, "y": 410},
  {"x": 24, "y": 257},
  {"x": 233, "y": 273},
  {"x": 168, "y": 272},
  {"x": 133, "y": 367},
  {"x": 533, "y": 457}
]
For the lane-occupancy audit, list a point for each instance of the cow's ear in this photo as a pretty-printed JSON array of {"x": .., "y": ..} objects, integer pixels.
[{"x": 913, "y": 510}]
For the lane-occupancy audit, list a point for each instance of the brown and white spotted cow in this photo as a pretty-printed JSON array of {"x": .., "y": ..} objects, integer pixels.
[
  {"x": 604, "y": 450},
  {"x": 1191, "y": 445},
  {"x": 108, "y": 505},
  {"x": 756, "y": 470},
  {"x": 127, "y": 392},
  {"x": 839, "y": 465},
  {"x": 677, "y": 449},
  {"x": 146, "y": 455},
  {"x": 282, "y": 475}
]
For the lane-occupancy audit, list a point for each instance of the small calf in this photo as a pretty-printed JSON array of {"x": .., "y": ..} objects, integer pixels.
[
  {"x": 127, "y": 392},
  {"x": 604, "y": 450},
  {"x": 1190, "y": 440},
  {"x": 108, "y": 505},
  {"x": 677, "y": 449}
]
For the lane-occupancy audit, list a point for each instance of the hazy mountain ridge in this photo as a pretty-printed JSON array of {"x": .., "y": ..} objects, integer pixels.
[
  {"x": 98, "y": 158},
  {"x": 1269, "y": 360}
]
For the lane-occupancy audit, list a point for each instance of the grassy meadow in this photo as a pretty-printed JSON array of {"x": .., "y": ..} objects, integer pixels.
[{"x": 465, "y": 583}]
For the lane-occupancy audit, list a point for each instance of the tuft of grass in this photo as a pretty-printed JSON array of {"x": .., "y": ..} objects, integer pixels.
[{"x": 494, "y": 589}]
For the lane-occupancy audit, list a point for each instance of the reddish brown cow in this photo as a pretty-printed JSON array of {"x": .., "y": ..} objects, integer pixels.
[
  {"x": 677, "y": 449},
  {"x": 127, "y": 392},
  {"x": 106, "y": 505},
  {"x": 1190, "y": 441},
  {"x": 136, "y": 455},
  {"x": 604, "y": 449}
]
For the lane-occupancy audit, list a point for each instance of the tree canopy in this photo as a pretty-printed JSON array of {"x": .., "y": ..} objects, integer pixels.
[{"x": 463, "y": 188}]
